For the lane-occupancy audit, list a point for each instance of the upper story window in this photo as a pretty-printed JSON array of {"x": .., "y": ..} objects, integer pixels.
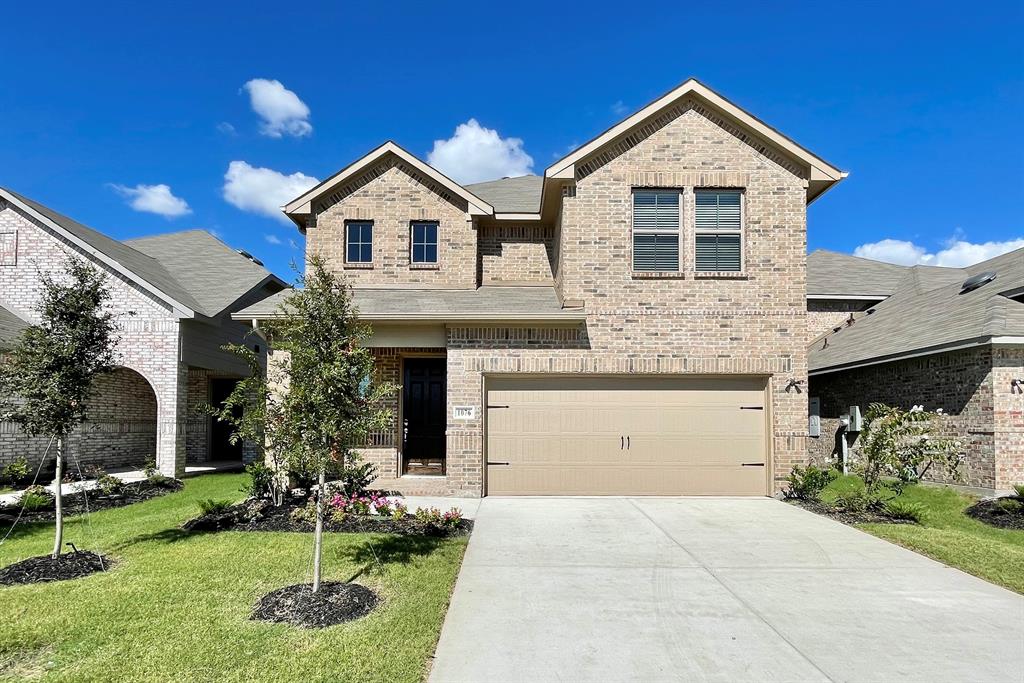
[
  {"x": 424, "y": 242},
  {"x": 719, "y": 230},
  {"x": 656, "y": 230},
  {"x": 359, "y": 242}
]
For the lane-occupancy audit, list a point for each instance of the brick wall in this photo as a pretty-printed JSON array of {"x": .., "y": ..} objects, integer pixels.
[
  {"x": 516, "y": 254},
  {"x": 824, "y": 315},
  {"x": 958, "y": 382},
  {"x": 392, "y": 196},
  {"x": 1008, "y": 416}
]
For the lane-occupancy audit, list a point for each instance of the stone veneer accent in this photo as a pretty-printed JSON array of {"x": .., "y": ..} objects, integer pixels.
[{"x": 972, "y": 386}]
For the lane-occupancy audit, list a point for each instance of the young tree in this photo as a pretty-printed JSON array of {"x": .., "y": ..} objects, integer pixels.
[
  {"x": 902, "y": 444},
  {"x": 48, "y": 377},
  {"x": 333, "y": 401}
]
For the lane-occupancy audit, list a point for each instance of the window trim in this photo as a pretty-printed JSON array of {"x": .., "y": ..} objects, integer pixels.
[
  {"x": 348, "y": 226},
  {"x": 437, "y": 244},
  {"x": 741, "y": 231},
  {"x": 633, "y": 231}
]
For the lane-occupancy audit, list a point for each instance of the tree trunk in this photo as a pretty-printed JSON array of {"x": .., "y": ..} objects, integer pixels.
[
  {"x": 58, "y": 539},
  {"x": 318, "y": 534}
]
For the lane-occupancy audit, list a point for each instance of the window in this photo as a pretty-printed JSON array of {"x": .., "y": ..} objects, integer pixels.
[
  {"x": 718, "y": 231},
  {"x": 424, "y": 242},
  {"x": 656, "y": 230},
  {"x": 359, "y": 242}
]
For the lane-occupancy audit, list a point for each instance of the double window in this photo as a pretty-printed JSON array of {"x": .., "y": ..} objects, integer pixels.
[
  {"x": 359, "y": 242},
  {"x": 656, "y": 230},
  {"x": 424, "y": 242},
  {"x": 718, "y": 230}
]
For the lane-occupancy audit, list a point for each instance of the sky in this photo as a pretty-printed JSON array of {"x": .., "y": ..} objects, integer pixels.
[{"x": 146, "y": 118}]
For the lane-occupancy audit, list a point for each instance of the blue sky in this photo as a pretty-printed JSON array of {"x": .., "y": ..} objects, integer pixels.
[{"x": 102, "y": 104}]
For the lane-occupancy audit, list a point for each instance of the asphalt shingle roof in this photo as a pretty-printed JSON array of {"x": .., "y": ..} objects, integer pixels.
[
  {"x": 11, "y": 327},
  {"x": 929, "y": 310},
  {"x": 511, "y": 195}
]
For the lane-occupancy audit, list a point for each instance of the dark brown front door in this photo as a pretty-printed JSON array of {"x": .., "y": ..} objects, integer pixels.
[
  {"x": 221, "y": 447},
  {"x": 424, "y": 409}
]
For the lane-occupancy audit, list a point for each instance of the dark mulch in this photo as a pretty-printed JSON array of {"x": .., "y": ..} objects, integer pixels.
[
  {"x": 75, "y": 503},
  {"x": 989, "y": 512},
  {"x": 335, "y": 603},
  {"x": 846, "y": 517},
  {"x": 44, "y": 569},
  {"x": 261, "y": 515}
]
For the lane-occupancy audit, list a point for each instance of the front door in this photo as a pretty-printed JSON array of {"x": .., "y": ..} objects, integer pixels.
[
  {"x": 221, "y": 447},
  {"x": 424, "y": 411}
]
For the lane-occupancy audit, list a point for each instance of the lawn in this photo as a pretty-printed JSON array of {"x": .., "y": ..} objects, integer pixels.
[
  {"x": 176, "y": 606},
  {"x": 951, "y": 537}
]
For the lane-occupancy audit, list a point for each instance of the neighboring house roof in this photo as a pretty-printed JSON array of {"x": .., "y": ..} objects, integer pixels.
[
  {"x": 299, "y": 208},
  {"x": 920, "y": 319},
  {"x": 831, "y": 274},
  {"x": 440, "y": 305},
  {"x": 215, "y": 275},
  {"x": 511, "y": 195},
  {"x": 192, "y": 271},
  {"x": 11, "y": 327},
  {"x": 821, "y": 174}
]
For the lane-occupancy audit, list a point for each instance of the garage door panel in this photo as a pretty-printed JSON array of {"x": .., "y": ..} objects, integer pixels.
[{"x": 566, "y": 435}]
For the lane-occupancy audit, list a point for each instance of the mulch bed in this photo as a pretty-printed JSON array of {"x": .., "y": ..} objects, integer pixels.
[
  {"x": 75, "y": 503},
  {"x": 43, "y": 569},
  {"x": 866, "y": 517},
  {"x": 260, "y": 515},
  {"x": 335, "y": 603},
  {"x": 988, "y": 511}
]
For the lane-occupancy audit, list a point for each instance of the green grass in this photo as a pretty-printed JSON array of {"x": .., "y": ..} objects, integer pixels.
[
  {"x": 176, "y": 606},
  {"x": 949, "y": 536}
]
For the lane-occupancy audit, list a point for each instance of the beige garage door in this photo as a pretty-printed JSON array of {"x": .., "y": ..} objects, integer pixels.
[{"x": 626, "y": 436}]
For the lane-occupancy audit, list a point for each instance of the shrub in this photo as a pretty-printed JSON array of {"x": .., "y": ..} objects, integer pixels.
[
  {"x": 261, "y": 480},
  {"x": 383, "y": 507},
  {"x": 150, "y": 469},
  {"x": 901, "y": 444},
  {"x": 14, "y": 472},
  {"x": 36, "y": 498},
  {"x": 808, "y": 483},
  {"x": 1019, "y": 490},
  {"x": 859, "y": 500},
  {"x": 399, "y": 512},
  {"x": 905, "y": 510},
  {"x": 356, "y": 477},
  {"x": 210, "y": 506},
  {"x": 452, "y": 518},
  {"x": 307, "y": 513},
  {"x": 429, "y": 515},
  {"x": 1010, "y": 505},
  {"x": 109, "y": 485}
]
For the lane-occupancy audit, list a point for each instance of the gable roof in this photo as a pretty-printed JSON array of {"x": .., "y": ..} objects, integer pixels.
[
  {"x": 821, "y": 174},
  {"x": 214, "y": 274},
  {"x": 929, "y": 313},
  {"x": 520, "y": 194},
  {"x": 192, "y": 271},
  {"x": 831, "y": 274},
  {"x": 301, "y": 207}
]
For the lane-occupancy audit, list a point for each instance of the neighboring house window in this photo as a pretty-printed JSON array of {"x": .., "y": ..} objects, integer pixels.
[
  {"x": 424, "y": 242},
  {"x": 718, "y": 230},
  {"x": 656, "y": 230},
  {"x": 359, "y": 242}
]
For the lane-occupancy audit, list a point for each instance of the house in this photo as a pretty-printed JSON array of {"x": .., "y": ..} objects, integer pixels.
[
  {"x": 633, "y": 321},
  {"x": 944, "y": 338},
  {"x": 172, "y": 296}
]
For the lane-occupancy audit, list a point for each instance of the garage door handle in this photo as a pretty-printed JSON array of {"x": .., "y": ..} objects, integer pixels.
[
  {"x": 627, "y": 443},
  {"x": 751, "y": 407},
  {"x": 489, "y": 407},
  {"x": 622, "y": 442},
  {"x": 492, "y": 462},
  {"x": 752, "y": 464}
]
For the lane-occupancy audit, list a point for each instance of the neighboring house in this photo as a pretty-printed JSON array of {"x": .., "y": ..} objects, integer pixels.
[
  {"x": 631, "y": 322},
  {"x": 918, "y": 336},
  {"x": 172, "y": 298}
]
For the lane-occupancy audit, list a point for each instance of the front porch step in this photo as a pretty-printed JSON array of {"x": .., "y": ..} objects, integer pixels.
[{"x": 416, "y": 486}]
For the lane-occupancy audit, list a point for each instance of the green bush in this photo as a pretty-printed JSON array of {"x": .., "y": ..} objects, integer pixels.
[
  {"x": 109, "y": 485},
  {"x": 150, "y": 469},
  {"x": 306, "y": 513},
  {"x": 1010, "y": 505},
  {"x": 210, "y": 506},
  {"x": 859, "y": 500},
  {"x": 36, "y": 498},
  {"x": 1019, "y": 490},
  {"x": 905, "y": 510},
  {"x": 808, "y": 483},
  {"x": 14, "y": 472},
  {"x": 261, "y": 480}
]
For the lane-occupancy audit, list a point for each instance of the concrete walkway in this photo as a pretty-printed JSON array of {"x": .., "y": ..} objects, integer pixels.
[{"x": 722, "y": 589}]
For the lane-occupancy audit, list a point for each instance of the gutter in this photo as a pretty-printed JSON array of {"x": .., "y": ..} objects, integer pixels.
[{"x": 952, "y": 346}]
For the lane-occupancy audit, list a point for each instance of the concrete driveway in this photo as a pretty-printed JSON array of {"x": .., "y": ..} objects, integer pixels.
[{"x": 656, "y": 589}]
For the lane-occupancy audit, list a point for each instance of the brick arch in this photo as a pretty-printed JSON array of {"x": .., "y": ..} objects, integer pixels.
[{"x": 121, "y": 424}]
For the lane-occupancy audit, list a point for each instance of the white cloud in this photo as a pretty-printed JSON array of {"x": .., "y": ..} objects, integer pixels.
[
  {"x": 957, "y": 253},
  {"x": 226, "y": 128},
  {"x": 156, "y": 199},
  {"x": 282, "y": 111},
  {"x": 272, "y": 239},
  {"x": 293, "y": 244},
  {"x": 263, "y": 190},
  {"x": 619, "y": 108},
  {"x": 475, "y": 153}
]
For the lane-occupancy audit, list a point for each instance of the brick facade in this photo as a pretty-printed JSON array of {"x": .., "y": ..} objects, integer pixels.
[
  {"x": 971, "y": 386},
  {"x": 824, "y": 315}
]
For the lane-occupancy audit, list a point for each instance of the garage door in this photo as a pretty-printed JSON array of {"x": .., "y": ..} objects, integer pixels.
[{"x": 626, "y": 436}]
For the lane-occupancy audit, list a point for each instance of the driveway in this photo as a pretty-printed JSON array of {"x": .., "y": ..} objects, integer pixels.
[{"x": 657, "y": 589}]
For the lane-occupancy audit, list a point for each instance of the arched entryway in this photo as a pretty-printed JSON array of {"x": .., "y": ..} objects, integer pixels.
[{"x": 120, "y": 430}]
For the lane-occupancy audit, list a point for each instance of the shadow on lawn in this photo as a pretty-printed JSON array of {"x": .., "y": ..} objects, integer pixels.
[{"x": 376, "y": 551}]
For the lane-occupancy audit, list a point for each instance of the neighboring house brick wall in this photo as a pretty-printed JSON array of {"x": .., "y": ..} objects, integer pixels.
[
  {"x": 958, "y": 382},
  {"x": 824, "y": 315},
  {"x": 1008, "y": 414},
  {"x": 516, "y": 254},
  {"x": 392, "y": 198}
]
